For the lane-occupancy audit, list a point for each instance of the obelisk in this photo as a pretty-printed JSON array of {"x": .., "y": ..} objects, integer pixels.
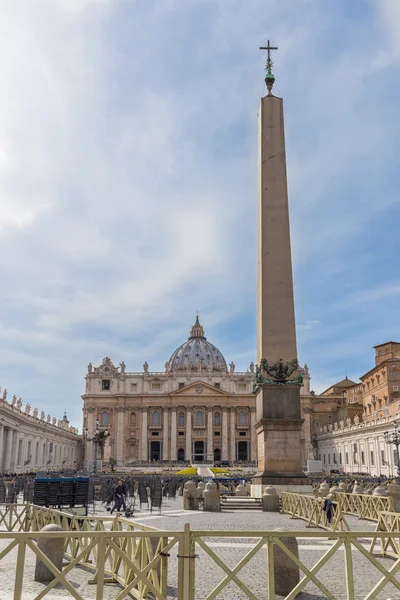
[{"x": 278, "y": 382}]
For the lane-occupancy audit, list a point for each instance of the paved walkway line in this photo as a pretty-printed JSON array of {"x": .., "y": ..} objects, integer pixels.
[{"x": 204, "y": 472}]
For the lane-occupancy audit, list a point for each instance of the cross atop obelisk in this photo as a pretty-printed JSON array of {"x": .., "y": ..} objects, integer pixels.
[{"x": 269, "y": 76}]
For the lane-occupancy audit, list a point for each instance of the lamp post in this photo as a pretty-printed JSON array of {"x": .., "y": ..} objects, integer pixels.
[
  {"x": 99, "y": 439},
  {"x": 393, "y": 437}
]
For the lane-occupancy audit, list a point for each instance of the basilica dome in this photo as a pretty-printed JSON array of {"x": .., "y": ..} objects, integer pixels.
[{"x": 197, "y": 354}]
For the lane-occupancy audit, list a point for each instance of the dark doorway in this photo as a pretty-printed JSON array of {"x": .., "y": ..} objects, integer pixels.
[
  {"x": 242, "y": 451},
  {"x": 181, "y": 455},
  {"x": 155, "y": 451},
  {"x": 217, "y": 455},
  {"x": 198, "y": 452}
]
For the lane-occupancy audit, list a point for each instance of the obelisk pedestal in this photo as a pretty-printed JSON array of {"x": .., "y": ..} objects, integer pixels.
[{"x": 278, "y": 382}]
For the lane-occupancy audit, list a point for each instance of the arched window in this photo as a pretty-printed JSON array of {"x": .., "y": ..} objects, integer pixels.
[
  {"x": 181, "y": 419},
  {"x": 104, "y": 419},
  {"x": 217, "y": 419},
  {"x": 155, "y": 418},
  {"x": 199, "y": 418},
  {"x": 242, "y": 418},
  {"x": 132, "y": 419}
]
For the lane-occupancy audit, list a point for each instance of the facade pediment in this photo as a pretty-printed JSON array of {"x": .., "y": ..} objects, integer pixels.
[{"x": 199, "y": 388}]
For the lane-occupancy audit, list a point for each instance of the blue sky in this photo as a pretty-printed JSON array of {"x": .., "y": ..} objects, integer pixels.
[{"x": 128, "y": 182}]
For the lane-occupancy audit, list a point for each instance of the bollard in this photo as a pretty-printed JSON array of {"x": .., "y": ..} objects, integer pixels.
[
  {"x": 324, "y": 489},
  {"x": 286, "y": 572},
  {"x": 53, "y": 549},
  {"x": 394, "y": 492},
  {"x": 190, "y": 500},
  {"x": 379, "y": 491},
  {"x": 241, "y": 490},
  {"x": 211, "y": 498},
  {"x": 200, "y": 489},
  {"x": 270, "y": 499}
]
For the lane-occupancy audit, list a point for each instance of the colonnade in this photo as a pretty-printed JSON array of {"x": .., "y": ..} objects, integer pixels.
[{"x": 22, "y": 451}]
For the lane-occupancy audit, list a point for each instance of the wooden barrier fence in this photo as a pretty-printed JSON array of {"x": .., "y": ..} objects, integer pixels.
[{"x": 140, "y": 558}]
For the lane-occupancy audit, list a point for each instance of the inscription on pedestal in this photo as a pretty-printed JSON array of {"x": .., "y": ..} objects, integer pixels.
[{"x": 281, "y": 450}]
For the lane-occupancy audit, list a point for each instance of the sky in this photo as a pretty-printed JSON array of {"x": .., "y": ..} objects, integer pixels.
[{"x": 128, "y": 190}]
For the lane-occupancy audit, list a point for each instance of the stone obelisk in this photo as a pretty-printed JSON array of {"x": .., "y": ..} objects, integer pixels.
[{"x": 278, "y": 381}]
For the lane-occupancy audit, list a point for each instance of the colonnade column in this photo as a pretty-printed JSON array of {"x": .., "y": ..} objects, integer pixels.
[
  {"x": 165, "y": 434},
  {"x": 119, "y": 441},
  {"x": 173, "y": 455},
  {"x": 1, "y": 447},
  {"x": 210, "y": 449},
  {"x": 224, "y": 434},
  {"x": 188, "y": 451},
  {"x": 253, "y": 449},
  {"x": 233, "y": 435},
  {"x": 143, "y": 452},
  {"x": 7, "y": 451}
]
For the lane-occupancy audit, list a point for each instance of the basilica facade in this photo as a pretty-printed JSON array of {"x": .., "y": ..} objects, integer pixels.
[{"x": 200, "y": 409}]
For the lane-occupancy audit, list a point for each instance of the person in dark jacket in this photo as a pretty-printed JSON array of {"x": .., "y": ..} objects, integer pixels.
[{"x": 119, "y": 498}]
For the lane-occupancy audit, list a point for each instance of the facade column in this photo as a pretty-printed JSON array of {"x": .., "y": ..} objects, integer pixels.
[
  {"x": 210, "y": 449},
  {"x": 233, "y": 435},
  {"x": 253, "y": 449},
  {"x": 120, "y": 437},
  {"x": 224, "y": 434},
  {"x": 14, "y": 449},
  {"x": 89, "y": 445},
  {"x": 188, "y": 451},
  {"x": 7, "y": 451},
  {"x": 1, "y": 447},
  {"x": 144, "y": 454},
  {"x": 165, "y": 434},
  {"x": 173, "y": 455}
]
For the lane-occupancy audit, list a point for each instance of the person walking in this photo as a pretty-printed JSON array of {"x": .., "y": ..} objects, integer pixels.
[{"x": 119, "y": 498}]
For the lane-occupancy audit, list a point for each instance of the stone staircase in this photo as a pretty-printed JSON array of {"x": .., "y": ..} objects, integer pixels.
[{"x": 240, "y": 503}]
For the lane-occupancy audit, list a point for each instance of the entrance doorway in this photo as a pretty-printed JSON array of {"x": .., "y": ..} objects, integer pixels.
[
  {"x": 217, "y": 455},
  {"x": 243, "y": 451},
  {"x": 155, "y": 451},
  {"x": 198, "y": 455},
  {"x": 181, "y": 455}
]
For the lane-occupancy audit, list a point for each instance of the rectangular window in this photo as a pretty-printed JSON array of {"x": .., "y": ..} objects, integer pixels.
[
  {"x": 334, "y": 459},
  {"x": 156, "y": 386},
  {"x": 242, "y": 433},
  {"x": 133, "y": 386},
  {"x": 181, "y": 385},
  {"x": 324, "y": 458},
  {"x": 395, "y": 388},
  {"x": 372, "y": 458},
  {"x": 329, "y": 459},
  {"x": 181, "y": 433},
  {"x": 155, "y": 433},
  {"x": 105, "y": 384},
  {"x": 217, "y": 433},
  {"x": 395, "y": 374},
  {"x": 340, "y": 457},
  {"x": 362, "y": 457},
  {"x": 242, "y": 387},
  {"x": 347, "y": 458},
  {"x": 217, "y": 385},
  {"x": 383, "y": 457}
]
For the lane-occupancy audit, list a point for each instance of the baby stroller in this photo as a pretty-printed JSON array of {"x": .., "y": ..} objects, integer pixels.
[{"x": 130, "y": 506}]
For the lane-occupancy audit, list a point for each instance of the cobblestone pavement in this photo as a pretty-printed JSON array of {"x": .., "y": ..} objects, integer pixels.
[{"x": 229, "y": 550}]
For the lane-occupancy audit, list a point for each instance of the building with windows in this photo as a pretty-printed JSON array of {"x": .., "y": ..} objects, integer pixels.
[
  {"x": 199, "y": 409},
  {"x": 355, "y": 443},
  {"x": 30, "y": 441}
]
